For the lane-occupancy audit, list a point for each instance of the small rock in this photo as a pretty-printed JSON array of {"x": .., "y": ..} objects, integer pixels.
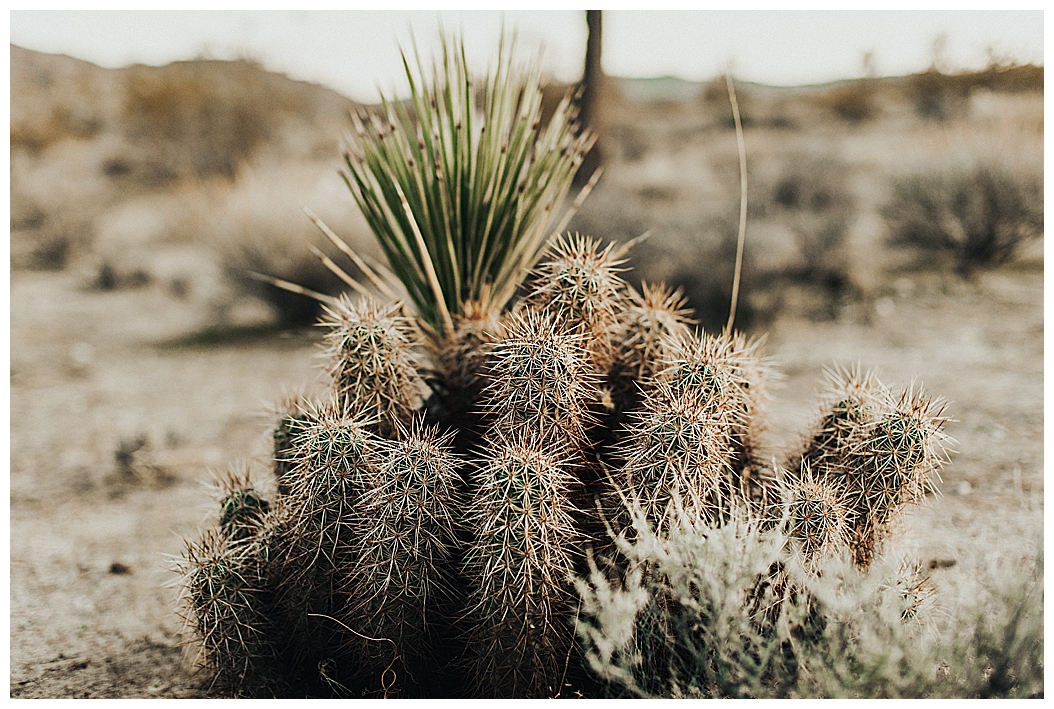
[
  {"x": 118, "y": 568},
  {"x": 885, "y": 307},
  {"x": 81, "y": 354}
]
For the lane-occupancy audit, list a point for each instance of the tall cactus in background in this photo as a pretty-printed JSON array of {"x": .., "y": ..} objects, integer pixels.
[{"x": 435, "y": 505}]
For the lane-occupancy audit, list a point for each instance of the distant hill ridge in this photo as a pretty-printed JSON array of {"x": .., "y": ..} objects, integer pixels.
[
  {"x": 188, "y": 118},
  {"x": 220, "y": 112}
]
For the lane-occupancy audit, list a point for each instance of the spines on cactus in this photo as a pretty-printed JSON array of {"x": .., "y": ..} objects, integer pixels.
[
  {"x": 242, "y": 507},
  {"x": 817, "y": 518},
  {"x": 896, "y": 463},
  {"x": 399, "y": 577},
  {"x": 879, "y": 451},
  {"x": 459, "y": 364},
  {"x": 433, "y": 508},
  {"x": 519, "y": 565},
  {"x": 229, "y": 592},
  {"x": 540, "y": 377},
  {"x": 371, "y": 349},
  {"x": 226, "y": 609},
  {"x": 652, "y": 317},
  {"x": 578, "y": 284},
  {"x": 289, "y": 414},
  {"x": 676, "y": 453}
]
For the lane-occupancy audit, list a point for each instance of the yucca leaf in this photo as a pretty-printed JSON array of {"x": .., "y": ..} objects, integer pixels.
[{"x": 461, "y": 185}]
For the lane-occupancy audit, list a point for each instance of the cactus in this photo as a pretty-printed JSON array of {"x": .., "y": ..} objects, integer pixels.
[
  {"x": 402, "y": 561},
  {"x": 579, "y": 286},
  {"x": 817, "y": 517},
  {"x": 228, "y": 594},
  {"x": 400, "y": 581},
  {"x": 540, "y": 377},
  {"x": 676, "y": 454},
  {"x": 519, "y": 563},
  {"x": 435, "y": 505},
  {"x": 879, "y": 451},
  {"x": 372, "y": 361}
]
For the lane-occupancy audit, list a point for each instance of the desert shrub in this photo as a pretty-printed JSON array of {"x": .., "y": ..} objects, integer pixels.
[
  {"x": 200, "y": 118},
  {"x": 700, "y": 614},
  {"x": 807, "y": 203},
  {"x": 257, "y": 228},
  {"x": 58, "y": 239},
  {"x": 60, "y": 123},
  {"x": 975, "y": 218},
  {"x": 939, "y": 95},
  {"x": 812, "y": 198},
  {"x": 852, "y": 101},
  {"x": 714, "y": 95},
  {"x": 935, "y": 95}
]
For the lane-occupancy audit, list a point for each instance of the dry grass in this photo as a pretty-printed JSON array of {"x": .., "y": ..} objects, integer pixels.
[{"x": 695, "y": 617}]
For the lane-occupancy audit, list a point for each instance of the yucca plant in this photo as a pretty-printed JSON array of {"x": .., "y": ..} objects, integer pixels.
[
  {"x": 479, "y": 442},
  {"x": 464, "y": 185}
]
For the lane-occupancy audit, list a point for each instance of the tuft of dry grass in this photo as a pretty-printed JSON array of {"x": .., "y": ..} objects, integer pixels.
[{"x": 700, "y": 613}]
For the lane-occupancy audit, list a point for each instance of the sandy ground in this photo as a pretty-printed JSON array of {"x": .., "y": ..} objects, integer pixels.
[{"x": 96, "y": 526}]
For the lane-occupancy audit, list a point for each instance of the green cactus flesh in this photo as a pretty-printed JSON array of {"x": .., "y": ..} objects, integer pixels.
[{"x": 433, "y": 509}]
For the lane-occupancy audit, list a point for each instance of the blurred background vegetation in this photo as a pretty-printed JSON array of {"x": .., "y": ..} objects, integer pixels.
[{"x": 125, "y": 174}]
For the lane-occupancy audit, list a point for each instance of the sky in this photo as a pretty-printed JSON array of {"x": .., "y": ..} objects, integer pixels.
[{"x": 357, "y": 52}]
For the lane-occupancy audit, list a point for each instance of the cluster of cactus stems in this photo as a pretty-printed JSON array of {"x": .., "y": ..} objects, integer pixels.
[{"x": 433, "y": 509}]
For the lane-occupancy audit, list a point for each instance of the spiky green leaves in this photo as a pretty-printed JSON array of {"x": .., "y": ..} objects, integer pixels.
[
  {"x": 372, "y": 361},
  {"x": 463, "y": 185},
  {"x": 519, "y": 565}
]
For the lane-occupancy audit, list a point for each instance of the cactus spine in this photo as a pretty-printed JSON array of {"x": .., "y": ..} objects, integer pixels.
[
  {"x": 400, "y": 579},
  {"x": 520, "y": 564}
]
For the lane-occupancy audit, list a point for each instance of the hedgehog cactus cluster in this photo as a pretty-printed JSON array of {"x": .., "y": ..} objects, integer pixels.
[
  {"x": 401, "y": 551},
  {"x": 482, "y": 437}
]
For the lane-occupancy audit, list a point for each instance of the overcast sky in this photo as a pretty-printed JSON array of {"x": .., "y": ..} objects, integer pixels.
[{"x": 357, "y": 52}]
